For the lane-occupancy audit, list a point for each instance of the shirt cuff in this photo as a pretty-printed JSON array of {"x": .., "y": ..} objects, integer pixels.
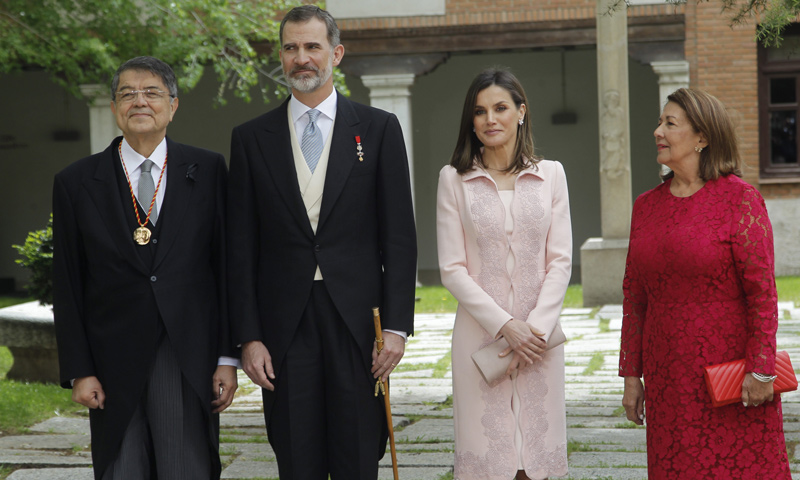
[
  {"x": 229, "y": 361},
  {"x": 402, "y": 334}
]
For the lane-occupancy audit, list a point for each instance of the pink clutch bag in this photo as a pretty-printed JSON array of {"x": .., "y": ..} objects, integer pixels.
[
  {"x": 724, "y": 380},
  {"x": 493, "y": 367}
]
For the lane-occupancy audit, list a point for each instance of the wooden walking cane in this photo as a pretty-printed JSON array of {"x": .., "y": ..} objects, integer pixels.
[{"x": 384, "y": 389}]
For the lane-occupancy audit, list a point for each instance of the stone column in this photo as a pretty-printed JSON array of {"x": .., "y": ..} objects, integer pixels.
[
  {"x": 603, "y": 259},
  {"x": 671, "y": 76},
  {"x": 391, "y": 92},
  {"x": 102, "y": 124}
]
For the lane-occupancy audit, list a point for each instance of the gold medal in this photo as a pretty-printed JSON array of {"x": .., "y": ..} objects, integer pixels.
[{"x": 141, "y": 235}]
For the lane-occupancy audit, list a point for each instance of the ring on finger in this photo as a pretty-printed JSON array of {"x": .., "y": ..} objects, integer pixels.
[{"x": 393, "y": 365}]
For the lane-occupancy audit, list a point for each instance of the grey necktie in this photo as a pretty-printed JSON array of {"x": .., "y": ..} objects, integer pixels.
[
  {"x": 311, "y": 145},
  {"x": 147, "y": 189}
]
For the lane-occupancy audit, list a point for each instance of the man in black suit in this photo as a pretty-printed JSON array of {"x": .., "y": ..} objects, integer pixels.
[
  {"x": 321, "y": 229},
  {"x": 139, "y": 291}
]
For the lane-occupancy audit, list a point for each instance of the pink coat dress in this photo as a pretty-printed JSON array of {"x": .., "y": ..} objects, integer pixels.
[{"x": 498, "y": 274}]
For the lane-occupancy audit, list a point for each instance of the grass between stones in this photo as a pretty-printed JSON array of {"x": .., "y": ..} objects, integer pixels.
[
  {"x": 243, "y": 439},
  {"x": 628, "y": 424},
  {"x": 448, "y": 403},
  {"x": 604, "y": 325},
  {"x": 425, "y": 450},
  {"x": 227, "y": 450},
  {"x": 573, "y": 446},
  {"x": 439, "y": 367},
  {"x": 595, "y": 364},
  {"x": 419, "y": 440}
]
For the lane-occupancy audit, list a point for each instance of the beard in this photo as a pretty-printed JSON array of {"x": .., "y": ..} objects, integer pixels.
[{"x": 308, "y": 83}]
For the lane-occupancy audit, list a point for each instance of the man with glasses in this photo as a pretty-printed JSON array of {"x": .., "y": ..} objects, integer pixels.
[{"x": 139, "y": 289}]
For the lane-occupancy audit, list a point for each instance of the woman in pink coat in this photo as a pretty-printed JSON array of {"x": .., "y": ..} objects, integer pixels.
[{"x": 505, "y": 247}]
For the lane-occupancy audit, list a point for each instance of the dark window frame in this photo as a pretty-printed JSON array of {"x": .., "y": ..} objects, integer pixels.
[{"x": 767, "y": 70}]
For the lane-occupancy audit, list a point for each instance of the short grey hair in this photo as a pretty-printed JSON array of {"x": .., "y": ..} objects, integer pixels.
[{"x": 147, "y": 64}]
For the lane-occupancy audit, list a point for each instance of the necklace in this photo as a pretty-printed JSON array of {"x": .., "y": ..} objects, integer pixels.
[{"x": 142, "y": 234}]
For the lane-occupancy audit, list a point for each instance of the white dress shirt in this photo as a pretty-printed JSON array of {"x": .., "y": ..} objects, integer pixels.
[
  {"x": 132, "y": 162},
  {"x": 324, "y": 122}
]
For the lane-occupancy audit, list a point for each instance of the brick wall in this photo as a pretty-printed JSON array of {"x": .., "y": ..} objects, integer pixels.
[
  {"x": 780, "y": 190},
  {"x": 723, "y": 61},
  {"x": 478, "y": 12}
]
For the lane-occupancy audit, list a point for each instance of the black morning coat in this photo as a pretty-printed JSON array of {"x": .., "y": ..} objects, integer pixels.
[
  {"x": 113, "y": 299},
  {"x": 365, "y": 243}
]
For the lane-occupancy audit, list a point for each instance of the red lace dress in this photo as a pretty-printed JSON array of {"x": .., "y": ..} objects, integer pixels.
[{"x": 699, "y": 290}]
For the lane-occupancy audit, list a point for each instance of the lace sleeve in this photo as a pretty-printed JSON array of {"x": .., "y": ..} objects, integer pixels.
[
  {"x": 754, "y": 260},
  {"x": 634, "y": 307}
]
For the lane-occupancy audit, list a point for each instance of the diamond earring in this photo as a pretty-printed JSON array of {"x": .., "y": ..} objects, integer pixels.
[
  {"x": 521, "y": 121},
  {"x": 698, "y": 149}
]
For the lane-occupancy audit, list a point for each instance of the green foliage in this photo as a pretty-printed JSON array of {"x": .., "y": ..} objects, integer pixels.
[
  {"x": 84, "y": 41},
  {"x": 25, "y": 404},
  {"x": 771, "y": 17},
  {"x": 37, "y": 256},
  {"x": 6, "y": 360}
]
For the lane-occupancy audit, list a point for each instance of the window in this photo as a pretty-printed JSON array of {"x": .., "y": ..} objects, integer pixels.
[{"x": 779, "y": 106}]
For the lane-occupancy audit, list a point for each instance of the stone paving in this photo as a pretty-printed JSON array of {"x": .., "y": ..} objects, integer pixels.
[{"x": 604, "y": 446}]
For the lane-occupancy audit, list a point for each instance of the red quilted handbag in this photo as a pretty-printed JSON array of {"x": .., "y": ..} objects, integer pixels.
[{"x": 724, "y": 380}]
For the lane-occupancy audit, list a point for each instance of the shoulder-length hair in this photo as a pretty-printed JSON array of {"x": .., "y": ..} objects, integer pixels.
[
  {"x": 468, "y": 148},
  {"x": 709, "y": 117}
]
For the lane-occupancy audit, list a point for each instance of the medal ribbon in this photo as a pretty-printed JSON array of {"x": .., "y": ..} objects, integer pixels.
[{"x": 133, "y": 197}]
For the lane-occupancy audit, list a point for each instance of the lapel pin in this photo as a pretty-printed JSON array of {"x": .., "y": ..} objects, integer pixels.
[{"x": 359, "y": 148}]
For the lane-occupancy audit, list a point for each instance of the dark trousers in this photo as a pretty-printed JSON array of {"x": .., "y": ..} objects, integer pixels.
[
  {"x": 168, "y": 436},
  {"x": 325, "y": 418}
]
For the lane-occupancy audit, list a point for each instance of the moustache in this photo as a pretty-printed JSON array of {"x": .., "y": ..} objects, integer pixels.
[
  {"x": 145, "y": 111},
  {"x": 307, "y": 66}
]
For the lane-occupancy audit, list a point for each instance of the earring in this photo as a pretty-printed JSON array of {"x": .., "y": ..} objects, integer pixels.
[
  {"x": 698, "y": 149},
  {"x": 473, "y": 130},
  {"x": 521, "y": 121}
]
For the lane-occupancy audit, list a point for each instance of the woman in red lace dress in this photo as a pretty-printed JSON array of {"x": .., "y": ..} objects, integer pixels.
[{"x": 700, "y": 290}]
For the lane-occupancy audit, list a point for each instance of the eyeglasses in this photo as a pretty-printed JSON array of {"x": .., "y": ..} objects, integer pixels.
[{"x": 150, "y": 95}]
